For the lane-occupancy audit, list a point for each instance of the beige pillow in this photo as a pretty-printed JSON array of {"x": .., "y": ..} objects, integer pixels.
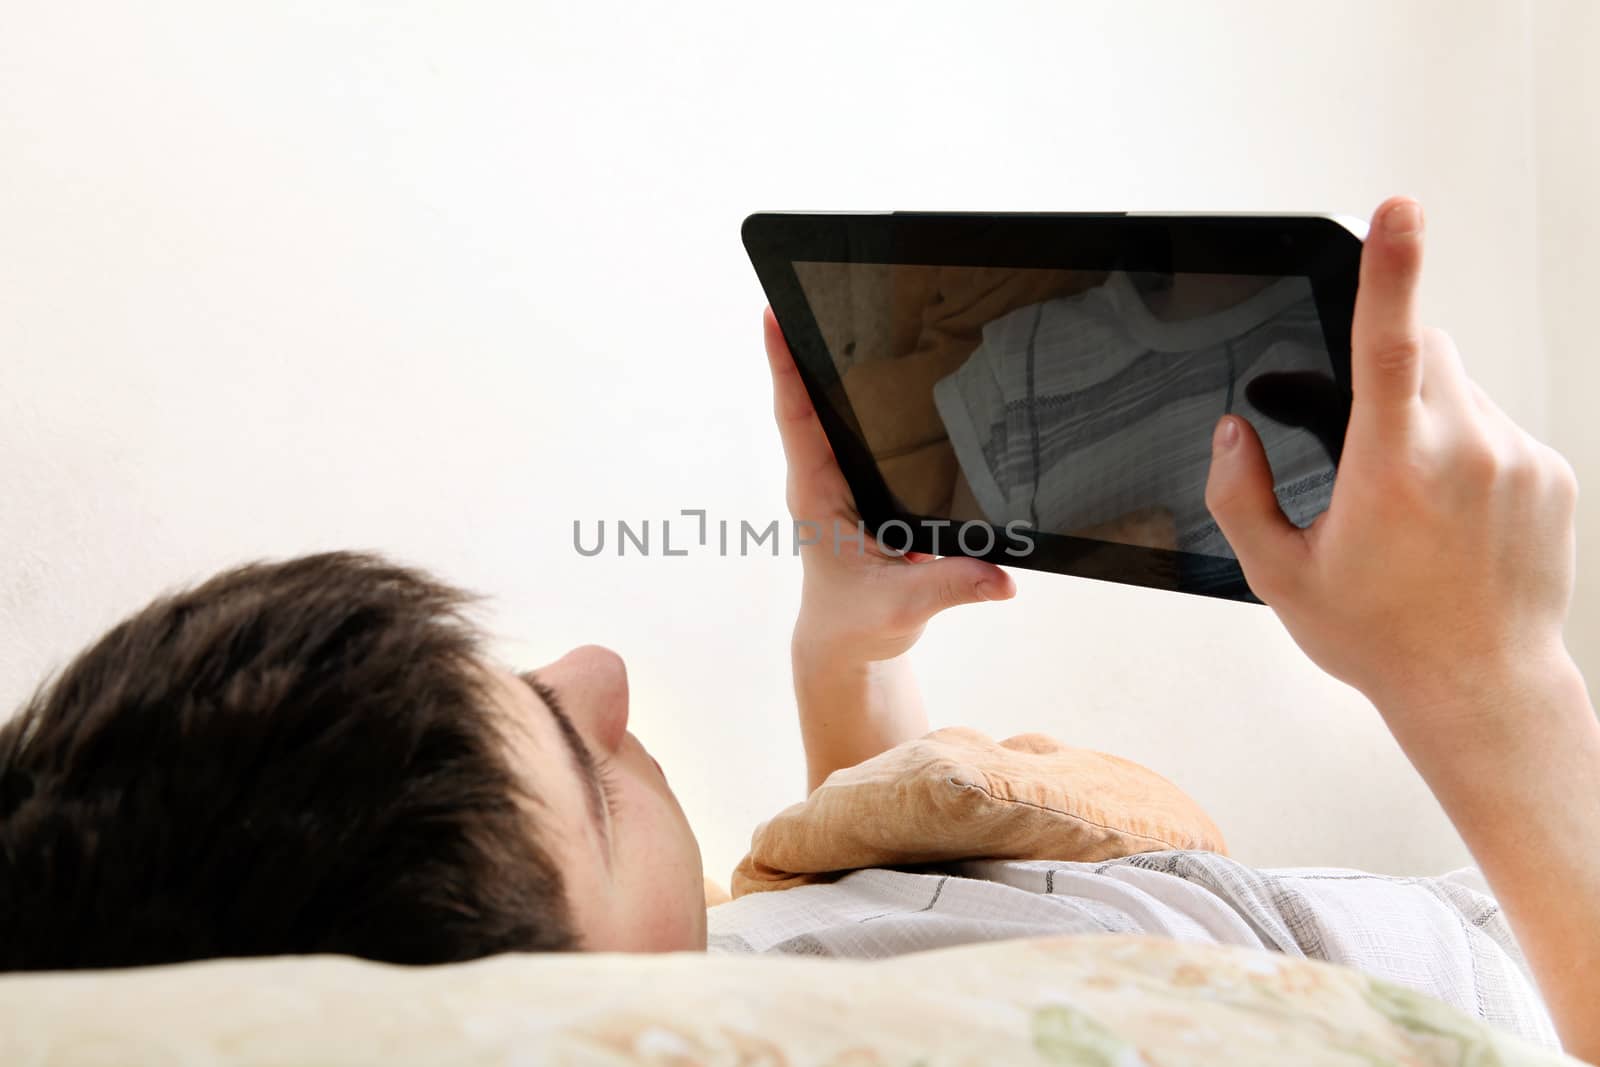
[
  {"x": 1050, "y": 1000},
  {"x": 955, "y": 794}
]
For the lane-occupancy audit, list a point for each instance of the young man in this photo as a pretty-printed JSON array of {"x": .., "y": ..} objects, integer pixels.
[{"x": 315, "y": 756}]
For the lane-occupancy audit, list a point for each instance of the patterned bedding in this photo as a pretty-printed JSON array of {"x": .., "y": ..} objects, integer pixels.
[{"x": 1094, "y": 1000}]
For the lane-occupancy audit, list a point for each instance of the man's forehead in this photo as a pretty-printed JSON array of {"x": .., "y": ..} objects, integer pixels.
[
  {"x": 560, "y": 808},
  {"x": 544, "y": 757}
]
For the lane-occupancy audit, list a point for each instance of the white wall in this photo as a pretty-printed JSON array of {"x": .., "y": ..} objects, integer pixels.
[
  {"x": 440, "y": 279},
  {"x": 1565, "y": 34}
]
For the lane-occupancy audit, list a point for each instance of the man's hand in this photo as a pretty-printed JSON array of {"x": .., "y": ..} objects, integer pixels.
[
  {"x": 858, "y": 601},
  {"x": 1437, "y": 583},
  {"x": 861, "y": 608},
  {"x": 1445, "y": 559}
]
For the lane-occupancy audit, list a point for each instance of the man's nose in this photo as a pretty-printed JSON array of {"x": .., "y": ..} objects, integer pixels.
[{"x": 594, "y": 691}]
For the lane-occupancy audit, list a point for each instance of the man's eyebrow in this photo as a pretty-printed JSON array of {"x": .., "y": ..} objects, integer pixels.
[{"x": 582, "y": 760}]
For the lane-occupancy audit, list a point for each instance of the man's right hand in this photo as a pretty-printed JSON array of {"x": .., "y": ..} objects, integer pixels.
[
  {"x": 1437, "y": 583},
  {"x": 1444, "y": 563}
]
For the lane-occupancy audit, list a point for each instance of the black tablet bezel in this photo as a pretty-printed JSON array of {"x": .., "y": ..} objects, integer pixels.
[{"x": 1314, "y": 246}]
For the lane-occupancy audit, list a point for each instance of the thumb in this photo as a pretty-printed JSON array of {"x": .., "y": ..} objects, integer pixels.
[
  {"x": 944, "y": 583},
  {"x": 1239, "y": 493}
]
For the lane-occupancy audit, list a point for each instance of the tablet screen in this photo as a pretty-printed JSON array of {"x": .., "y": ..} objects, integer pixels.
[{"x": 1079, "y": 403}]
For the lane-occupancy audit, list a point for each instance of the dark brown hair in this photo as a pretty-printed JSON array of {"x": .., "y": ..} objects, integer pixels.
[{"x": 293, "y": 757}]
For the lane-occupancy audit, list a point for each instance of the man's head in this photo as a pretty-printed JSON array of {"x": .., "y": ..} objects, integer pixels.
[{"x": 315, "y": 756}]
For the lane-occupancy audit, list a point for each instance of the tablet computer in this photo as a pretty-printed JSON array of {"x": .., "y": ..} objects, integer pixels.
[{"x": 1040, "y": 390}]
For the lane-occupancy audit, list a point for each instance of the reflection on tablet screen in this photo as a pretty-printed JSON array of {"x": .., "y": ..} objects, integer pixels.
[{"x": 1081, "y": 403}]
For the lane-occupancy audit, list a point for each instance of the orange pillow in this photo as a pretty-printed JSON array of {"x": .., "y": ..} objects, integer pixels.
[{"x": 955, "y": 794}]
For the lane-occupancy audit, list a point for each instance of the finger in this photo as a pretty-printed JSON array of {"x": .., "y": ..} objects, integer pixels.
[
  {"x": 1446, "y": 383},
  {"x": 1446, "y": 389},
  {"x": 1386, "y": 335},
  {"x": 953, "y": 580},
  {"x": 804, "y": 444},
  {"x": 1271, "y": 549},
  {"x": 1485, "y": 403}
]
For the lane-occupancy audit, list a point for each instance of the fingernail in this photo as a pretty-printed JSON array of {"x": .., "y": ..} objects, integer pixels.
[
  {"x": 1227, "y": 435},
  {"x": 988, "y": 589},
  {"x": 1402, "y": 219}
]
